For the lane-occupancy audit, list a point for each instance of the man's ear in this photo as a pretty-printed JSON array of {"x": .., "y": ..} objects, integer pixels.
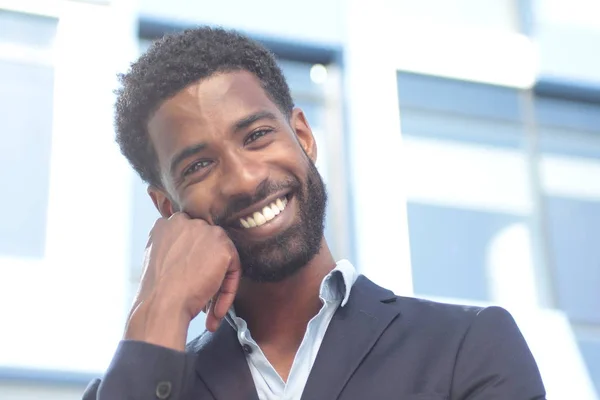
[
  {"x": 162, "y": 202},
  {"x": 304, "y": 134}
]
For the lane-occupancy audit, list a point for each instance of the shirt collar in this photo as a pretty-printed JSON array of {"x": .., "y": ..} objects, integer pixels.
[
  {"x": 338, "y": 283},
  {"x": 336, "y": 286}
]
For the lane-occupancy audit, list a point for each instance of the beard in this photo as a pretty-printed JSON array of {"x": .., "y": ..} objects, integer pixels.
[{"x": 282, "y": 255}]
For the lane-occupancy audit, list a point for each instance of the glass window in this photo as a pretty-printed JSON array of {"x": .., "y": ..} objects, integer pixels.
[
  {"x": 569, "y": 136},
  {"x": 454, "y": 97},
  {"x": 574, "y": 228},
  {"x": 26, "y": 97},
  {"x": 464, "y": 129},
  {"x": 451, "y": 247},
  {"x": 570, "y": 114},
  {"x": 467, "y": 189}
]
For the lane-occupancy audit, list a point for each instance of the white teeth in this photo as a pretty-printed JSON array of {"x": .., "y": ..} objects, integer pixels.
[
  {"x": 275, "y": 209},
  {"x": 267, "y": 214},
  {"x": 259, "y": 218}
]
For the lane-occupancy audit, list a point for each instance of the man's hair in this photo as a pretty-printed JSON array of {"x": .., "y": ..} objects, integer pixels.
[{"x": 175, "y": 62}]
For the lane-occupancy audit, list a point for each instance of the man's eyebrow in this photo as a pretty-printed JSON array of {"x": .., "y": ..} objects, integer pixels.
[
  {"x": 185, "y": 153},
  {"x": 252, "y": 118}
]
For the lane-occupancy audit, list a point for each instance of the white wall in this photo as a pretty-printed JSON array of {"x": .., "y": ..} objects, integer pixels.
[
  {"x": 465, "y": 40},
  {"x": 308, "y": 21},
  {"x": 29, "y": 391},
  {"x": 72, "y": 302},
  {"x": 498, "y": 16},
  {"x": 324, "y": 21},
  {"x": 568, "y": 35}
]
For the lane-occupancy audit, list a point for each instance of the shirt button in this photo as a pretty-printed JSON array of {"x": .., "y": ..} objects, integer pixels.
[
  {"x": 247, "y": 348},
  {"x": 163, "y": 390}
]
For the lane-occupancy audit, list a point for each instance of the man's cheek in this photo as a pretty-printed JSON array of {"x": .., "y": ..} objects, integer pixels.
[{"x": 192, "y": 209}]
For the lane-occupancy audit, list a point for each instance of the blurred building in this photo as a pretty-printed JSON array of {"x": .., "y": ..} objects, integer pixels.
[{"x": 459, "y": 140}]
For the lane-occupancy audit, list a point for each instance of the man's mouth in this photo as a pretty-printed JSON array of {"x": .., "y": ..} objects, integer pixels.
[{"x": 268, "y": 213}]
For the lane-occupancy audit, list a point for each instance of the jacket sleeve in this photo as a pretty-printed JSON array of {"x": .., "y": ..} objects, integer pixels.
[
  {"x": 143, "y": 371},
  {"x": 494, "y": 361}
]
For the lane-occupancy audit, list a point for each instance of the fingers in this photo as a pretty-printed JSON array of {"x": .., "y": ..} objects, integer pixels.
[
  {"x": 179, "y": 214},
  {"x": 222, "y": 302},
  {"x": 212, "y": 322},
  {"x": 160, "y": 221},
  {"x": 206, "y": 307},
  {"x": 229, "y": 287}
]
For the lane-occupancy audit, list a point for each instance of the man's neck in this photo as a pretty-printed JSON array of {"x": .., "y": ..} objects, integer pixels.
[{"x": 277, "y": 313}]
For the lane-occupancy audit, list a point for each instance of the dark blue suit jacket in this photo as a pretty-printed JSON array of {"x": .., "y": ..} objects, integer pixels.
[{"x": 379, "y": 346}]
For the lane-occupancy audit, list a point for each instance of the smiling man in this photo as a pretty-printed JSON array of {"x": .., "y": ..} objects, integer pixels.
[{"x": 206, "y": 119}]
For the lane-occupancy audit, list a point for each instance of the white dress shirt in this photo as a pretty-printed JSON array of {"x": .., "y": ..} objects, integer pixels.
[{"x": 334, "y": 292}]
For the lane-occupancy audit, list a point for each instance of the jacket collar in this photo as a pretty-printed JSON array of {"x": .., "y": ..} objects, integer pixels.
[{"x": 352, "y": 333}]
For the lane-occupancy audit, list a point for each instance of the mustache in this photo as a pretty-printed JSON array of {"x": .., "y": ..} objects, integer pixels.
[{"x": 242, "y": 201}]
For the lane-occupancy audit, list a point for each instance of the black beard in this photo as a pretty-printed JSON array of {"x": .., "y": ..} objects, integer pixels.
[{"x": 281, "y": 256}]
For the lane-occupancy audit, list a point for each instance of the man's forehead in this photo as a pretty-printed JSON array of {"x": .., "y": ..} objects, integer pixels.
[
  {"x": 222, "y": 98},
  {"x": 228, "y": 89}
]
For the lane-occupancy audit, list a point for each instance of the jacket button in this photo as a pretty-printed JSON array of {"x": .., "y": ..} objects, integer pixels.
[{"x": 163, "y": 390}]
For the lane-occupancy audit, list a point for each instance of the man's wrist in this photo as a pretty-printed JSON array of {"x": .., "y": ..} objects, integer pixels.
[{"x": 159, "y": 325}]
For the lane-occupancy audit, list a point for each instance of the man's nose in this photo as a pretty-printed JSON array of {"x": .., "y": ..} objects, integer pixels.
[{"x": 242, "y": 174}]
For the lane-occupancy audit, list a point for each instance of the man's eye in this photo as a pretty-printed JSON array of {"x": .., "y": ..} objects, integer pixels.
[
  {"x": 257, "y": 135},
  {"x": 198, "y": 165}
]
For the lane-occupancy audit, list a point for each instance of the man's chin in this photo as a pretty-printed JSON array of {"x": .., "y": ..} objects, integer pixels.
[
  {"x": 276, "y": 262},
  {"x": 271, "y": 275}
]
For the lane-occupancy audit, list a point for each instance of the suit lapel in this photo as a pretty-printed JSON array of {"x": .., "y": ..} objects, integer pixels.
[
  {"x": 222, "y": 365},
  {"x": 352, "y": 333}
]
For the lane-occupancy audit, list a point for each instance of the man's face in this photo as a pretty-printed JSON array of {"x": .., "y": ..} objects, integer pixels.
[{"x": 228, "y": 155}]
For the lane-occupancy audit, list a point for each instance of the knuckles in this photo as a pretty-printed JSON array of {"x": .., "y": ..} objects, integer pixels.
[{"x": 182, "y": 228}]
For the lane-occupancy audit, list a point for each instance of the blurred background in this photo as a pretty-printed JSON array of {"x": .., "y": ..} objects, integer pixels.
[{"x": 459, "y": 140}]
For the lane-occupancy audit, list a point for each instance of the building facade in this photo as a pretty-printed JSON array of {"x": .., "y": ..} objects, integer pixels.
[{"x": 459, "y": 141}]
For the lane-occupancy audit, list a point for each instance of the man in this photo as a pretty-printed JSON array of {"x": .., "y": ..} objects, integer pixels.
[{"x": 206, "y": 118}]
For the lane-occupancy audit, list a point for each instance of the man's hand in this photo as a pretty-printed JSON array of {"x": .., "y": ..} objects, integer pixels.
[{"x": 189, "y": 265}]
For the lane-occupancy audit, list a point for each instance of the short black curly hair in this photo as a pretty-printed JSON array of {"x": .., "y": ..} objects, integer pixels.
[{"x": 175, "y": 62}]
